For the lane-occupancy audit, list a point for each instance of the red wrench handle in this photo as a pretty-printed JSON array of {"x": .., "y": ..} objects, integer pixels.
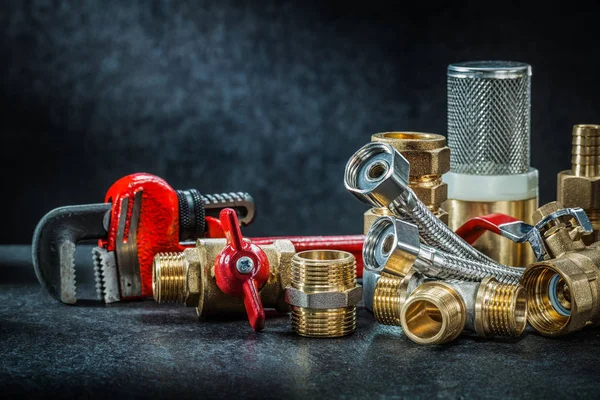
[{"x": 350, "y": 243}]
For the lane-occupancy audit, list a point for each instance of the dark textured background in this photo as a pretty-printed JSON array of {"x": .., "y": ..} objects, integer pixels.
[{"x": 268, "y": 97}]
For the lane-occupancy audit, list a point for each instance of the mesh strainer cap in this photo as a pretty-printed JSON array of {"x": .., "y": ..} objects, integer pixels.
[{"x": 489, "y": 104}]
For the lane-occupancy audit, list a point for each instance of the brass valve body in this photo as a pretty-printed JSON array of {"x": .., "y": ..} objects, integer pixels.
[
  {"x": 580, "y": 186},
  {"x": 188, "y": 277},
  {"x": 564, "y": 290},
  {"x": 323, "y": 293},
  {"x": 436, "y": 312},
  {"x": 497, "y": 247},
  {"x": 429, "y": 159}
]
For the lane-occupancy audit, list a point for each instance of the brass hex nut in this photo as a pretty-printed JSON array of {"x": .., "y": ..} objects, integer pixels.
[
  {"x": 578, "y": 191},
  {"x": 192, "y": 277},
  {"x": 427, "y": 153},
  {"x": 434, "y": 195},
  {"x": 546, "y": 210},
  {"x": 323, "y": 300}
]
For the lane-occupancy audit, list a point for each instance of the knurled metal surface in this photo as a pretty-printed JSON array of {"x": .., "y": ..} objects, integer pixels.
[{"x": 489, "y": 125}]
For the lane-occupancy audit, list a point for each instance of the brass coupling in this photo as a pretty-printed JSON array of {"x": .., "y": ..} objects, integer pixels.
[
  {"x": 437, "y": 312},
  {"x": 580, "y": 186},
  {"x": 323, "y": 293},
  {"x": 564, "y": 289},
  {"x": 188, "y": 278},
  {"x": 429, "y": 159}
]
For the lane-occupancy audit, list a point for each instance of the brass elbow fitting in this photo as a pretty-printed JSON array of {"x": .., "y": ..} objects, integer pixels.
[
  {"x": 564, "y": 290},
  {"x": 188, "y": 278},
  {"x": 580, "y": 186},
  {"x": 437, "y": 312},
  {"x": 429, "y": 159},
  {"x": 323, "y": 293}
]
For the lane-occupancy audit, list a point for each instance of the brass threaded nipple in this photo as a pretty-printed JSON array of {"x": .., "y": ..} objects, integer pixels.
[
  {"x": 500, "y": 309},
  {"x": 386, "y": 300},
  {"x": 318, "y": 272},
  {"x": 168, "y": 277},
  {"x": 433, "y": 314},
  {"x": 585, "y": 153}
]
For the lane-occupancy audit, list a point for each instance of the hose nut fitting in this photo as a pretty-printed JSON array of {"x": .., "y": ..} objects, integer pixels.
[
  {"x": 429, "y": 159},
  {"x": 323, "y": 293},
  {"x": 437, "y": 312}
]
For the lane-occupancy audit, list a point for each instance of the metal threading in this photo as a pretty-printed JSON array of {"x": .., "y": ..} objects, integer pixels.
[
  {"x": 319, "y": 271},
  {"x": 386, "y": 300},
  {"x": 544, "y": 316},
  {"x": 500, "y": 310},
  {"x": 585, "y": 153},
  {"x": 433, "y": 314},
  {"x": 168, "y": 277}
]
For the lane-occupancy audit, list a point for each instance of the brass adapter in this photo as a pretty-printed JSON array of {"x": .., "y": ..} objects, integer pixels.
[
  {"x": 323, "y": 293},
  {"x": 429, "y": 159},
  {"x": 437, "y": 312},
  {"x": 188, "y": 277},
  {"x": 390, "y": 293},
  {"x": 564, "y": 290},
  {"x": 580, "y": 186}
]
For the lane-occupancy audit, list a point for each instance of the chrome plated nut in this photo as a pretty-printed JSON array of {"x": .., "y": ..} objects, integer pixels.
[{"x": 323, "y": 300}]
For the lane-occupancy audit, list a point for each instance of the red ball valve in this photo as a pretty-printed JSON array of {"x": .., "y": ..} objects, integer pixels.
[{"x": 242, "y": 269}]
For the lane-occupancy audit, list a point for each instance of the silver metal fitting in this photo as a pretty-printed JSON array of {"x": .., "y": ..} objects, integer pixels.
[
  {"x": 393, "y": 246},
  {"x": 489, "y": 105},
  {"x": 323, "y": 300}
]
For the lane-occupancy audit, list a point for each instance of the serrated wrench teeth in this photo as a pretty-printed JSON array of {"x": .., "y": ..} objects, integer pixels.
[
  {"x": 54, "y": 242},
  {"x": 107, "y": 278}
]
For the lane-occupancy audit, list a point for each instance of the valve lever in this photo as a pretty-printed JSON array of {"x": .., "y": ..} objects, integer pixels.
[{"x": 242, "y": 269}]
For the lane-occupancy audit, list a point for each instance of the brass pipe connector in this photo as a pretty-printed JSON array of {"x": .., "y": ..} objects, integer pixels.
[
  {"x": 579, "y": 186},
  {"x": 323, "y": 293},
  {"x": 188, "y": 278},
  {"x": 437, "y": 312},
  {"x": 390, "y": 293},
  {"x": 429, "y": 159},
  {"x": 564, "y": 290}
]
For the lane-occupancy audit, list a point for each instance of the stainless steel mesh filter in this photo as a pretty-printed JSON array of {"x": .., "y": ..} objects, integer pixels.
[{"x": 489, "y": 105}]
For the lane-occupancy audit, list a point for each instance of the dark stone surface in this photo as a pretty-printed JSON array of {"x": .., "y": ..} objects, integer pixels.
[
  {"x": 143, "y": 349},
  {"x": 270, "y": 97}
]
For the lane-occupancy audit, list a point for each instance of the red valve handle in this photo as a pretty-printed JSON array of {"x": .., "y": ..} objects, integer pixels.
[
  {"x": 241, "y": 269},
  {"x": 471, "y": 230}
]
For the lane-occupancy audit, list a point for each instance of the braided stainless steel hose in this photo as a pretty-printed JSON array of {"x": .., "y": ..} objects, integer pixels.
[
  {"x": 377, "y": 174},
  {"x": 392, "y": 246}
]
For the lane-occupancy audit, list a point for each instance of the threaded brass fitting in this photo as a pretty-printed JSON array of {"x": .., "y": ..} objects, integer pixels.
[
  {"x": 390, "y": 293},
  {"x": 437, "y": 312},
  {"x": 429, "y": 159},
  {"x": 564, "y": 291},
  {"x": 188, "y": 277},
  {"x": 323, "y": 293},
  {"x": 580, "y": 186}
]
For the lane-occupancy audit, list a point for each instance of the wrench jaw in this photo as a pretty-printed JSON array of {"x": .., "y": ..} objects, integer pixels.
[{"x": 53, "y": 246}]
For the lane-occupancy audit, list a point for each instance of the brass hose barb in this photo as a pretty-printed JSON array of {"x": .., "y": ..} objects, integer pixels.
[
  {"x": 168, "y": 277},
  {"x": 579, "y": 186},
  {"x": 437, "y": 312},
  {"x": 323, "y": 293}
]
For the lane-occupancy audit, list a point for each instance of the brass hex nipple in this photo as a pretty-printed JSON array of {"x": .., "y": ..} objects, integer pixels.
[
  {"x": 437, "y": 312},
  {"x": 429, "y": 159},
  {"x": 323, "y": 293},
  {"x": 433, "y": 314},
  {"x": 579, "y": 186},
  {"x": 168, "y": 277}
]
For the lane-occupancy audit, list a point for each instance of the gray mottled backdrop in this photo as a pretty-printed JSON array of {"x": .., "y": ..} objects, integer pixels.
[{"x": 267, "y": 97}]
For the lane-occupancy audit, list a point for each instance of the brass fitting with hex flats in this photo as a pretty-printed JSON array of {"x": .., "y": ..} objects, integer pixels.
[
  {"x": 323, "y": 293},
  {"x": 563, "y": 289},
  {"x": 580, "y": 186}
]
